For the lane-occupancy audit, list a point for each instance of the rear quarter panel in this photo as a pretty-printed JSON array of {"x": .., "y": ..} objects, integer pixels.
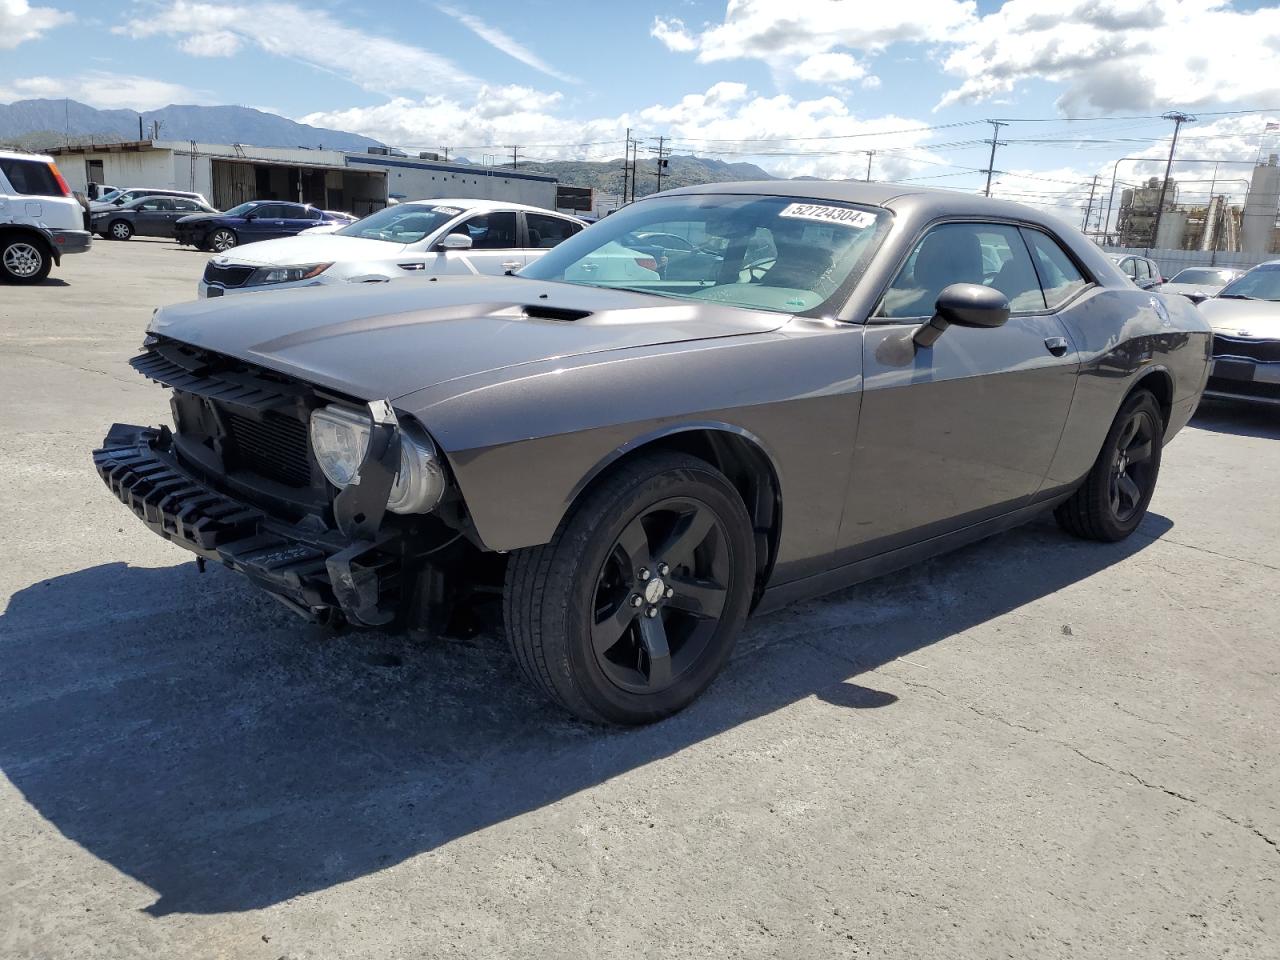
[{"x": 1122, "y": 336}]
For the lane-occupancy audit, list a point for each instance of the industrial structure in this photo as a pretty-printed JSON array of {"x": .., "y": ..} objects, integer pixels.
[
  {"x": 1261, "y": 207},
  {"x": 359, "y": 183}
]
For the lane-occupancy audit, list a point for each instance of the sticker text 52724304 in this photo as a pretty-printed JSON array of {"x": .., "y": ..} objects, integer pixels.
[{"x": 826, "y": 213}]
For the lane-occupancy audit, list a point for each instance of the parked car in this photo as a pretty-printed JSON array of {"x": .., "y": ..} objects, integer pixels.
[
  {"x": 249, "y": 222},
  {"x": 40, "y": 219},
  {"x": 338, "y": 220},
  {"x": 119, "y": 198},
  {"x": 100, "y": 191},
  {"x": 637, "y": 466},
  {"x": 1200, "y": 283},
  {"x": 154, "y": 216},
  {"x": 425, "y": 238},
  {"x": 1143, "y": 272},
  {"x": 1245, "y": 317}
]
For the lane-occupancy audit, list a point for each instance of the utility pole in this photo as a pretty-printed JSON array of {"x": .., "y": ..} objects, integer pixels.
[
  {"x": 995, "y": 142},
  {"x": 870, "y": 154},
  {"x": 445, "y": 151},
  {"x": 1178, "y": 120},
  {"x": 515, "y": 158},
  {"x": 626, "y": 165},
  {"x": 662, "y": 160},
  {"x": 1089, "y": 209}
]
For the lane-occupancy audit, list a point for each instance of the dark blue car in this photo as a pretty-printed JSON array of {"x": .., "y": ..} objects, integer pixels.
[{"x": 248, "y": 222}]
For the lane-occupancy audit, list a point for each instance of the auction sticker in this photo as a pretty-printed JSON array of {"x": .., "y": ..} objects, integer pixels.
[{"x": 825, "y": 213}]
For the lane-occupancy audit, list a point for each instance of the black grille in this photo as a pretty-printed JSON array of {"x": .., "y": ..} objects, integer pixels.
[
  {"x": 274, "y": 447},
  {"x": 1244, "y": 388},
  {"x": 1266, "y": 351},
  {"x": 227, "y": 276}
]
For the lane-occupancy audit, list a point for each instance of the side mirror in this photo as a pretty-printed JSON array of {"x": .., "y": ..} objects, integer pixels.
[
  {"x": 963, "y": 305},
  {"x": 455, "y": 241},
  {"x": 1197, "y": 296},
  {"x": 250, "y": 216}
]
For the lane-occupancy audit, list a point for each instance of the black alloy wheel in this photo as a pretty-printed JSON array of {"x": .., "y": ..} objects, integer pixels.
[
  {"x": 635, "y": 604},
  {"x": 1112, "y": 500},
  {"x": 660, "y": 594}
]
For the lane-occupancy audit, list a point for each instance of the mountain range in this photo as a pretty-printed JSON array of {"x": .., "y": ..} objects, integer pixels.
[
  {"x": 42, "y": 124},
  {"x": 37, "y": 124}
]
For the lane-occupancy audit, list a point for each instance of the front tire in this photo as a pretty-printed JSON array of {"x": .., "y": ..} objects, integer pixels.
[
  {"x": 24, "y": 260},
  {"x": 222, "y": 240},
  {"x": 120, "y": 230},
  {"x": 631, "y": 610},
  {"x": 1113, "y": 499}
]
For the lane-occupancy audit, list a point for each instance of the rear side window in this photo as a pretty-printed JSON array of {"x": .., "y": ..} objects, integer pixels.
[
  {"x": 1059, "y": 276},
  {"x": 546, "y": 232},
  {"x": 30, "y": 177}
]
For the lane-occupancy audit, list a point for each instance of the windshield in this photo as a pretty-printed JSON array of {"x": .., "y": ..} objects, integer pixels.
[
  {"x": 108, "y": 196},
  {"x": 403, "y": 223},
  {"x": 1202, "y": 275},
  {"x": 1260, "y": 283},
  {"x": 761, "y": 252}
]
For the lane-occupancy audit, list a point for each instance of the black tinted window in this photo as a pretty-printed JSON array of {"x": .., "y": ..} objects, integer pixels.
[
  {"x": 490, "y": 231},
  {"x": 31, "y": 177},
  {"x": 545, "y": 231}
]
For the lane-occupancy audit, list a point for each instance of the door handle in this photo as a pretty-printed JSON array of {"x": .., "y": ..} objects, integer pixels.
[
  {"x": 511, "y": 264},
  {"x": 1056, "y": 345}
]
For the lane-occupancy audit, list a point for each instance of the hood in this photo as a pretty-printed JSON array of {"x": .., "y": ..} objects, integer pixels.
[
  {"x": 311, "y": 248},
  {"x": 395, "y": 338},
  {"x": 1258, "y": 319}
]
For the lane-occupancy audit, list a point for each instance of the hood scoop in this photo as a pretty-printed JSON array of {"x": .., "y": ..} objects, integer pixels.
[{"x": 543, "y": 311}]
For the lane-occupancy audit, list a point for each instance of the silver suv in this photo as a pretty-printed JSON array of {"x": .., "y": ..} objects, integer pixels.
[{"x": 40, "y": 220}]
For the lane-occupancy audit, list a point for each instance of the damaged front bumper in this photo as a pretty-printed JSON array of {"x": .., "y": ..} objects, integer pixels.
[{"x": 315, "y": 570}]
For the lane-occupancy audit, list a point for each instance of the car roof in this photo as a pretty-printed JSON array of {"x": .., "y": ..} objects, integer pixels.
[
  {"x": 924, "y": 201},
  {"x": 19, "y": 155},
  {"x": 471, "y": 203}
]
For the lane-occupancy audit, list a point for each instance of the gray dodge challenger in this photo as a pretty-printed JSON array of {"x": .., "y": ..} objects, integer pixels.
[{"x": 835, "y": 380}]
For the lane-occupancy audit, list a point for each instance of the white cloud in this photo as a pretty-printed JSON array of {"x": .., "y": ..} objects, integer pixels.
[
  {"x": 726, "y": 121},
  {"x": 505, "y": 43},
  {"x": 216, "y": 43},
  {"x": 671, "y": 33},
  {"x": 796, "y": 29},
  {"x": 1121, "y": 54},
  {"x": 309, "y": 36},
  {"x": 19, "y": 22},
  {"x": 830, "y": 68},
  {"x": 104, "y": 90}
]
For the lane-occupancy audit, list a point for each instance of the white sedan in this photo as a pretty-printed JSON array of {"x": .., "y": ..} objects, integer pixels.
[{"x": 419, "y": 238}]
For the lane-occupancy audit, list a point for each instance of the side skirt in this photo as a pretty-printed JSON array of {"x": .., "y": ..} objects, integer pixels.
[{"x": 782, "y": 594}]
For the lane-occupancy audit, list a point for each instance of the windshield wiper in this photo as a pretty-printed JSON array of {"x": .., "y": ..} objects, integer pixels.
[{"x": 1237, "y": 296}]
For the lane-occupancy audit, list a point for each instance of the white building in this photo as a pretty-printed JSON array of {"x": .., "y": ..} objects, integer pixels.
[{"x": 228, "y": 174}]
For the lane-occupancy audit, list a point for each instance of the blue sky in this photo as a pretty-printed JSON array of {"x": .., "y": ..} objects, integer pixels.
[{"x": 798, "y": 86}]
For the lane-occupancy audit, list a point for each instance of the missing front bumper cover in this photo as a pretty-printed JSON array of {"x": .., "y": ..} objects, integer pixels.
[{"x": 314, "y": 573}]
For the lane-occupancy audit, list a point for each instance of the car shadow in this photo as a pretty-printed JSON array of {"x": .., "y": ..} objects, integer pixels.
[
  {"x": 49, "y": 281},
  {"x": 1239, "y": 418},
  {"x": 189, "y": 732}
]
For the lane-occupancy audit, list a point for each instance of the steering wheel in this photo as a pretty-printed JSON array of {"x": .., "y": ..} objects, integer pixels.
[{"x": 757, "y": 269}]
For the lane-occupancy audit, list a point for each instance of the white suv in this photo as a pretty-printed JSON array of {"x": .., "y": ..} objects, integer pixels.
[{"x": 39, "y": 218}]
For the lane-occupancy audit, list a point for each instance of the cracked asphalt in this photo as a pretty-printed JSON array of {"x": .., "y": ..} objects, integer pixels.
[{"x": 1032, "y": 748}]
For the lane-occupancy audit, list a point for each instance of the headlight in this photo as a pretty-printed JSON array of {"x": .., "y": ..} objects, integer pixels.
[
  {"x": 339, "y": 439},
  {"x": 303, "y": 271}
]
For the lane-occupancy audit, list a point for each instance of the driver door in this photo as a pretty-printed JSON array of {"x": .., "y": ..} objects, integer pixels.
[
  {"x": 964, "y": 430},
  {"x": 151, "y": 217}
]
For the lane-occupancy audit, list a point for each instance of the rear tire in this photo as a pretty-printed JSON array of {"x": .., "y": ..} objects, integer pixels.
[
  {"x": 1112, "y": 501},
  {"x": 24, "y": 260},
  {"x": 631, "y": 610},
  {"x": 120, "y": 230}
]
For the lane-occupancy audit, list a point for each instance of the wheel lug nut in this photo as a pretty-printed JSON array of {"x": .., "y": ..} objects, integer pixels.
[
  {"x": 670, "y": 593},
  {"x": 663, "y": 569},
  {"x": 636, "y": 599},
  {"x": 644, "y": 574},
  {"x": 651, "y": 612}
]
